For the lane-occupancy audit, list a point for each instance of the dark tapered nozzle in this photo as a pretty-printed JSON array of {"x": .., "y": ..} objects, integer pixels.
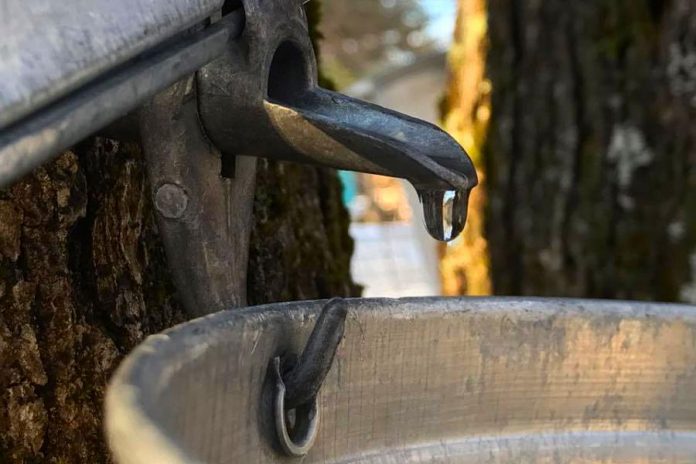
[{"x": 331, "y": 129}]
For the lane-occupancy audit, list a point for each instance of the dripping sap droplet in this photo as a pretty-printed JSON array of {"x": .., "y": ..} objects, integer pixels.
[{"x": 444, "y": 212}]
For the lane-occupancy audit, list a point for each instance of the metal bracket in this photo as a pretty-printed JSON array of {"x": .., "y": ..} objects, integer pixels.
[
  {"x": 204, "y": 218},
  {"x": 203, "y": 191}
]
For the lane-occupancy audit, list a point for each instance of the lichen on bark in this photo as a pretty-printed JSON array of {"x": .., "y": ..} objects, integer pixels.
[{"x": 591, "y": 148}]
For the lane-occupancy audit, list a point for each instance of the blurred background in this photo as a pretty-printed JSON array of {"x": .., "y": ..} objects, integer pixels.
[
  {"x": 393, "y": 53},
  {"x": 580, "y": 119}
]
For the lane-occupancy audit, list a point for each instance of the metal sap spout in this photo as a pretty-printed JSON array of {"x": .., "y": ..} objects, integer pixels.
[
  {"x": 331, "y": 129},
  {"x": 274, "y": 108}
]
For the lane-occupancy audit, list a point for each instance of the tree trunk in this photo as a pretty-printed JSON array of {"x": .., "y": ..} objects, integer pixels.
[
  {"x": 465, "y": 266},
  {"x": 590, "y": 154},
  {"x": 84, "y": 278}
]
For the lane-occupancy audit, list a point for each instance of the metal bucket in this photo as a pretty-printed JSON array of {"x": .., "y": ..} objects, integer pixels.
[{"x": 422, "y": 380}]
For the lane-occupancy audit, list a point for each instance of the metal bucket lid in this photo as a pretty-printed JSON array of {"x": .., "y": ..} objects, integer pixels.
[{"x": 422, "y": 380}]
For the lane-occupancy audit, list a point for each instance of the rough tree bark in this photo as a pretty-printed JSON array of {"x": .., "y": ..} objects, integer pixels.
[
  {"x": 591, "y": 149},
  {"x": 83, "y": 279}
]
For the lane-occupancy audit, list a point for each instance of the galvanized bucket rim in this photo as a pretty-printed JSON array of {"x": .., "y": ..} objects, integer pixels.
[{"x": 124, "y": 404}]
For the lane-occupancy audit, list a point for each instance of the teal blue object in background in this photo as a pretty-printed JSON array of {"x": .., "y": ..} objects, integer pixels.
[
  {"x": 350, "y": 186},
  {"x": 441, "y": 20}
]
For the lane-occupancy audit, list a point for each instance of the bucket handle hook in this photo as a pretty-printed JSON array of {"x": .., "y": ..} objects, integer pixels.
[{"x": 296, "y": 408}]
